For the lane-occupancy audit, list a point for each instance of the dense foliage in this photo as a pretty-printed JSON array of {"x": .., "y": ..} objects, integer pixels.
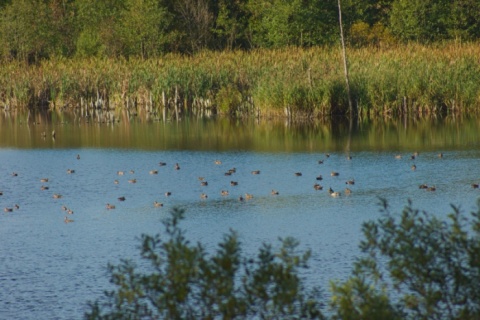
[
  {"x": 35, "y": 29},
  {"x": 414, "y": 266}
]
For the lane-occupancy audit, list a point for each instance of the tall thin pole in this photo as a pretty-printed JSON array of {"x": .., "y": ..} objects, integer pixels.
[{"x": 344, "y": 52}]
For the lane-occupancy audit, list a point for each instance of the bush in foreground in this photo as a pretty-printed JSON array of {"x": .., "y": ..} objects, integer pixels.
[{"x": 413, "y": 266}]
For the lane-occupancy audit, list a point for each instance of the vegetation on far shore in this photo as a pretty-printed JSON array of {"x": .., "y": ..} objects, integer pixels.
[{"x": 292, "y": 82}]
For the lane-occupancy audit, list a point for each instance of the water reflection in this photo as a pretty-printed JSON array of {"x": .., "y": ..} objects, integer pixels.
[{"x": 124, "y": 129}]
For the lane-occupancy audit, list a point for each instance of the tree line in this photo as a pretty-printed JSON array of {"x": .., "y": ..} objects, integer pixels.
[{"x": 31, "y": 30}]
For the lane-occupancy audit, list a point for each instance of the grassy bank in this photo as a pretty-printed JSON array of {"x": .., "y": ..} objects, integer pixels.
[{"x": 293, "y": 82}]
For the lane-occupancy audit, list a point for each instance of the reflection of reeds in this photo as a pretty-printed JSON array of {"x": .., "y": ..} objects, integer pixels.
[{"x": 293, "y": 82}]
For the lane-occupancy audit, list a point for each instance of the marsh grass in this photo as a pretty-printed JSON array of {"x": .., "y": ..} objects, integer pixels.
[{"x": 289, "y": 82}]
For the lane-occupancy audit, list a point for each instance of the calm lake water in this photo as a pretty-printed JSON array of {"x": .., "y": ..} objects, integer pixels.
[{"x": 50, "y": 269}]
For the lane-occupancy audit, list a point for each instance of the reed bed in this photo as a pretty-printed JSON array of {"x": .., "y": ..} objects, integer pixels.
[{"x": 290, "y": 82}]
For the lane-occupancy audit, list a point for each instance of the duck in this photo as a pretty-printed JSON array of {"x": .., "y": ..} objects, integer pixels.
[
  {"x": 233, "y": 183},
  {"x": 177, "y": 166},
  {"x": 132, "y": 171},
  {"x": 432, "y": 188},
  {"x": 274, "y": 192},
  {"x": 423, "y": 186},
  {"x": 204, "y": 183},
  {"x": 115, "y": 181},
  {"x": 440, "y": 155},
  {"x": 319, "y": 178},
  {"x": 348, "y": 191},
  {"x": 44, "y": 180},
  {"x": 7, "y": 209},
  {"x": 44, "y": 188},
  {"x": 218, "y": 162},
  {"x": 168, "y": 194},
  {"x": 333, "y": 193},
  {"x": 240, "y": 198},
  {"x": 256, "y": 172},
  {"x": 232, "y": 170},
  {"x": 57, "y": 196},
  {"x": 334, "y": 174},
  {"x": 121, "y": 173},
  {"x": 14, "y": 174},
  {"x": 66, "y": 220},
  {"x": 162, "y": 164},
  {"x": 224, "y": 193},
  {"x": 70, "y": 171},
  {"x": 320, "y": 161},
  {"x": 248, "y": 196},
  {"x": 351, "y": 182},
  {"x": 413, "y": 167},
  {"x": 132, "y": 180},
  {"x": 349, "y": 157},
  {"x": 298, "y": 174},
  {"x": 398, "y": 156},
  {"x": 228, "y": 173},
  {"x": 327, "y": 155},
  {"x": 316, "y": 186},
  {"x": 110, "y": 206},
  {"x": 70, "y": 211},
  {"x": 475, "y": 185},
  {"x": 203, "y": 196},
  {"x": 16, "y": 206},
  {"x": 153, "y": 172},
  {"x": 122, "y": 198},
  {"x": 78, "y": 157},
  {"x": 157, "y": 204}
]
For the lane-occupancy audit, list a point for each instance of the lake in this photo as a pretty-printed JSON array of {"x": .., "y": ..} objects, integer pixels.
[{"x": 49, "y": 269}]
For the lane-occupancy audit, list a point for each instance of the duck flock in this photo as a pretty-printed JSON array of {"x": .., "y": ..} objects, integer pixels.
[{"x": 233, "y": 183}]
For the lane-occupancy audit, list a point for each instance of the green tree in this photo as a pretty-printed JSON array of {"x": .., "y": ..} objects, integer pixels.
[
  {"x": 24, "y": 30},
  {"x": 415, "y": 266},
  {"x": 231, "y": 24},
  {"x": 180, "y": 281},
  {"x": 143, "y": 28},
  {"x": 279, "y": 23},
  {"x": 422, "y": 21}
]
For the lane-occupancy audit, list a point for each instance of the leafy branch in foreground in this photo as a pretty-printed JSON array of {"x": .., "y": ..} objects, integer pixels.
[
  {"x": 180, "y": 281},
  {"x": 415, "y": 266}
]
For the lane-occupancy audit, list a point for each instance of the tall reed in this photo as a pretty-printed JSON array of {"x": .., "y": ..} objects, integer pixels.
[{"x": 291, "y": 82}]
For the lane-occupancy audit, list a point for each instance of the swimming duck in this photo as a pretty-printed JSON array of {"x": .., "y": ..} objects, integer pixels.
[
  {"x": 70, "y": 211},
  {"x": 57, "y": 196},
  {"x": 110, "y": 206},
  {"x": 157, "y": 204},
  {"x": 16, "y": 206},
  {"x": 168, "y": 194},
  {"x": 320, "y": 161},
  {"x": 333, "y": 193},
  {"x": 44, "y": 180},
  {"x": 44, "y": 188},
  {"x": 298, "y": 174},
  {"x": 115, "y": 181},
  {"x": 228, "y": 173},
  {"x": 316, "y": 186},
  {"x": 351, "y": 182},
  {"x": 201, "y": 178},
  {"x": 256, "y": 172},
  {"x": 218, "y": 162},
  {"x": 153, "y": 172},
  {"x": 240, "y": 198},
  {"x": 203, "y": 196},
  {"x": 349, "y": 157},
  {"x": 78, "y": 157},
  {"x": 398, "y": 156},
  {"x": 177, "y": 166},
  {"x": 70, "y": 171},
  {"x": 334, "y": 173},
  {"x": 14, "y": 174},
  {"x": 423, "y": 186},
  {"x": 440, "y": 155},
  {"x": 232, "y": 170},
  {"x": 132, "y": 171},
  {"x": 274, "y": 193},
  {"x": 233, "y": 183},
  {"x": 224, "y": 193},
  {"x": 7, "y": 209},
  {"x": 248, "y": 196},
  {"x": 475, "y": 185},
  {"x": 348, "y": 191},
  {"x": 319, "y": 178},
  {"x": 204, "y": 183},
  {"x": 432, "y": 188},
  {"x": 161, "y": 164},
  {"x": 132, "y": 180},
  {"x": 413, "y": 167},
  {"x": 122, "y": 198},
  {"x": 67, "y": 220},
  {"x": 120, "y": 173}
]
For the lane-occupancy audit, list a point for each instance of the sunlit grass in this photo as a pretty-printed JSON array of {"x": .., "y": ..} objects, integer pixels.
[{"x": 291, "y": 81}]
